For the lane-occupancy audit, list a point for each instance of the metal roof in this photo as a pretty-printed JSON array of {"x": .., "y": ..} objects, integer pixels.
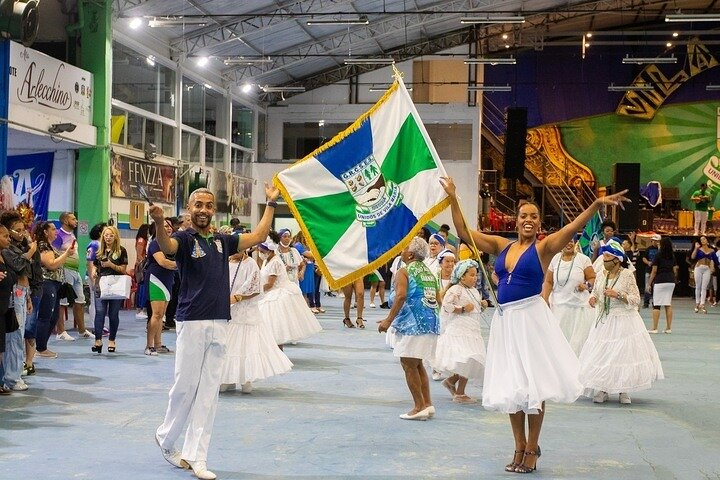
[{"x": 313, "y": 55}]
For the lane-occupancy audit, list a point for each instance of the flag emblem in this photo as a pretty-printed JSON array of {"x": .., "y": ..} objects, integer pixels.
[{"x": 374, "y": 196}]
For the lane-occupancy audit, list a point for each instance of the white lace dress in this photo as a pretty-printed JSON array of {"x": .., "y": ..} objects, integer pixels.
[
  {"x": 252, "y": 353},
  {"x": 284, "y": 307},
  {"x": 460, "y": 347},
  {"x": 619, "y": 355}
]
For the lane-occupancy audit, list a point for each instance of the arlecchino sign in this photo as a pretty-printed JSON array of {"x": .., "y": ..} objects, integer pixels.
[{"x": 47, "y": 85}]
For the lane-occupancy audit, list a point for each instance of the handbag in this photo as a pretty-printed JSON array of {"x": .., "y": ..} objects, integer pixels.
[
  {"x": 11, "y": 323},
  {"x": 115, "y": 287}
]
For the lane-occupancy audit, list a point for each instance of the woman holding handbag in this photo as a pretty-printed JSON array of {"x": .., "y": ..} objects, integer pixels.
[{"x": 111, "y": 260}]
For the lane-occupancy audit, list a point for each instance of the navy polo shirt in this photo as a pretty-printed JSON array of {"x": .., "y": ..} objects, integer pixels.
[{"x": 204, "y": 275}]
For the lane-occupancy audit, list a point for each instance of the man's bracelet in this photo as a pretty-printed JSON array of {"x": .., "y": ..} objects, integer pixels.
[{"x": 272, "y": 203}]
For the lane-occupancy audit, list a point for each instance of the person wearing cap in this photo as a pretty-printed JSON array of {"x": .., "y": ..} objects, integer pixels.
[
  {"x": 202, "y": 319},
  {"x": 647, "y": 259},
  {"x": 568, "y": 281},
  {"x": 618, "y": 357},
  {"x": 702, "y": 202},
  {"x": 663, "y": 277}
]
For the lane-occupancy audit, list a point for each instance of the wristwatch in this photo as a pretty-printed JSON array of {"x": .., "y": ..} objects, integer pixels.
[{"x": 462, "y": 309}]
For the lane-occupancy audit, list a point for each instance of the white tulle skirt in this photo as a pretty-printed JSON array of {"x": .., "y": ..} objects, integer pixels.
[
  {"x": 575, "y": 323},
  {"x": 460, "y": 347},
  {"x": 529, "y": 360},
  {"x": 619, "y": 355},
  {"x": 287, "y": 315},
  {"x": 252, "y": 353},
  {"x": 415, "y": 346}
]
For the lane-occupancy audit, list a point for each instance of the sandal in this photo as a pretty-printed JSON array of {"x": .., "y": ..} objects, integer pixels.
[
  {"x": 360, "y": 323},
  {"x": 510, "y": 467},
  {"x": 522, "y": 468},
  {"x": 321, "y": 310},
  {"x": 348, "y": 323}
]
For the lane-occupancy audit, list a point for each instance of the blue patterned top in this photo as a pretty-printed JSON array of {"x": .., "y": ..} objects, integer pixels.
[
  {"x": 524, "y": 281},
  {"x": 419, "y": 313}
]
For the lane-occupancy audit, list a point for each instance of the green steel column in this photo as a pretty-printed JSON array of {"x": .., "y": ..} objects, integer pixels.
[{"x": 92, "y": 168}]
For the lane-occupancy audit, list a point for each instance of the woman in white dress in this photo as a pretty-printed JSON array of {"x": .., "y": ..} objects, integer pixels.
[
  {"x": 283, "y": 305},
  {"x": 294, "y": 262},
  {"x": 436, "y": 244},
  {"x": 447, "y": 262},
  {"x": 460, "y": 350},
  {"x": 252, "y": 353},
  {"x": 619, "y": 356},
  {"x": 568, "y": 281}
]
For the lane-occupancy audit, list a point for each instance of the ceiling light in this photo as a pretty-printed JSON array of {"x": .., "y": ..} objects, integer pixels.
[
  {"x": 587, "y": 44},
  {"x": 668, "y": 44},
  {"x": 504, "y": 36},
  {"x": 507, "y": 46},
  {"x": 150, "y": 60},
  {"x": 492, "y": 19},
  {"x": 246, "y": 88},
  {"x": 321, "y": 123},
  {"x": 370, "y": 61},
  {"x": 640, "y": 87},
  {"x": 489, "y": 88},
  {"x": 712, "y": 88},
  {"x": 649, "y": 60},
  {"x": 246, "y": 61},
  {"x": 202, "y": 61},
  {"x": 383, "y": 88},
  {"x": 176, "y": 21},
  {"x": 588, "y": 35},
  {"x": 270, "y": 89},
  {"x": 361, "y": 20},
  {"x": 675, "y": 34},
  {"x": 136, "y": 23},
  {"x": 491, "y": 61},
  {"x": 700, "y": 17}
]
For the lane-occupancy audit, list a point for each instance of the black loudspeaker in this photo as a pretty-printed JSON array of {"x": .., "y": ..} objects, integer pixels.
[
  {"x": 515, "y": 133},
  {"x": 627, "y": 176},
  {"x": 646, "y": 218}
]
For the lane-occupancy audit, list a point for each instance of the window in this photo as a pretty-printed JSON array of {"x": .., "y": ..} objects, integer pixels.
[
  {"x": 214, "y": 121},
  {"x": 190, "y": 147},
  {"x": 142, "y": 82},
  {"x": 193, "y": 104},
  {"x": 299, "y": 139},
  {"x": 214, "y": 155},
  {"x": 118, "y": 122},
  {"x": 241, "y": 162},
  {"x": 242, "y": 125}
]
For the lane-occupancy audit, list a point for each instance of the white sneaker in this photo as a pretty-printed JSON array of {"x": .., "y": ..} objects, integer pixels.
[
  {"x": 668, "y": 331},
  {"x": 151, "y": 351},
  {"x": 200, "y": 470},
  {"x": 437, "y": 376},
  {"x": 372, "y": 305},
  {"x": 600, "y": 397},
  {"x": 65, "y": 336},
  {"x": 625, "y": 399},
  {"x": 246, "y": 387},
  {"x": 86, "y": 334},
  {"x": 20, "y": 386},
  {"x": 171, "y": 455},
  {"x": 653, "y": 331},
  {"x": 141, "y": 316}
]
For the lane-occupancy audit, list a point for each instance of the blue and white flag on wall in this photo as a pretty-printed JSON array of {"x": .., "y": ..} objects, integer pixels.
[{"x": 31, "y": 176}]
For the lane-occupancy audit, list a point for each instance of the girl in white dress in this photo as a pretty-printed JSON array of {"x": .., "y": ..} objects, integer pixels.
[
  {"x": 568, "y": 281},
  {"x": 283, "y": 305},
  {"x": 619, "y": 356},
  {"x": 252, "y": 353},
  {"x": 460, "y": 350}
]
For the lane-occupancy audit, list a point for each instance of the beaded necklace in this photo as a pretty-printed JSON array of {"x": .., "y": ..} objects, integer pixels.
[
  {"x": 606, "y": 300},
  {"x": 557, "y": 271},
  {"x": 474, "y": 294}
]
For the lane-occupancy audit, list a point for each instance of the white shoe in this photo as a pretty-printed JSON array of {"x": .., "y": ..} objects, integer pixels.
[
  {"x": 224, "y": 387},
  {"x": 625, "y": 399},
  {"x": 141, "y": 316},
  {"x": 171, "y": 455},
  {"x": 20, "y": 386},
  {"x": 653, "y": 331},
  {"x": 430, "y": 411},
  {"x": 372, "y": 305},
  {"x": 151, "y": 351},
  {"x": 600, "y": 397},
  {"x": 421, "y": 415},
  {"x": 65, "y": 336},
  {"x": 668, "y": 331},
  {"x": 86, "y": 334},
  {"x": 246, "y": 387},
  {"x": 437, "y": 376},
  {"x": 200, "y": 470}
]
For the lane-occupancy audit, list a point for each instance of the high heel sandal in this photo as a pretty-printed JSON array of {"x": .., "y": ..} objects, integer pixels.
[
  {"x": 348, "y": 323},
  {"x": 522, "y": 468},
  {"x": 111, "y": 349},
  {"x": 97, "y": 348},
  {"x": 360, "y": 323},
  {"x": 510, "y": 467}
]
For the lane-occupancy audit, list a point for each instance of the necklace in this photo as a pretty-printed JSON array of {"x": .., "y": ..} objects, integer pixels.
[
  {"x": 473, "y": 296},
  {"x": 557, "y": 271},
  {"x": 606, "y": 300}
]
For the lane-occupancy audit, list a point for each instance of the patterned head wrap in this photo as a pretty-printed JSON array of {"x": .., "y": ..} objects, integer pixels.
[
  {"x": 283, "y": 231},
  {"x": 614, "y": 248},
  {"x": 460, "y": 269},
  {"x": 439, "y": 238}
]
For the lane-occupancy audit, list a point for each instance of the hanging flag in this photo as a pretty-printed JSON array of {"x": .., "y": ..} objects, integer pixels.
[
  {"x": 363, "y": 195},
  {"x": 591, "y": 233}
]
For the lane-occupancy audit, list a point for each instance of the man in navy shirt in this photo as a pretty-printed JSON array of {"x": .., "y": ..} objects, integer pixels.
[{"x": 203, "y": 312}]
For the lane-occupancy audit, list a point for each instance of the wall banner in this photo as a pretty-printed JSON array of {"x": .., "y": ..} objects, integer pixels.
[
  {"x": 31, "y": 176},
  {"x": 128, "y": 174}
]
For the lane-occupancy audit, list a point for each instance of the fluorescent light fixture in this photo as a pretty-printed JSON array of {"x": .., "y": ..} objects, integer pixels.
[
  {"x": 489, "y": 88},
  {"x": 693, "y": 17},
  {"x": 150, "y": 60},
  {"x": 369, "y": 61},
  {"x": 246, "y": 61},
  {"x": 712, "y": 88},
  {"x": 649, "y": 60},
  {"x": 640, "y": 87},
  {"x": 361, "y": 20},
  {"x": 136, "y": 23},
  {"x": 202, "y": 61},
  {"x": 491, "y": 61},
  {"x": 384, "y": 88},
  {"x": 176, "y": 21},
  {"x": 270, "y": 89},
  {"x": 493, "y": 19}
]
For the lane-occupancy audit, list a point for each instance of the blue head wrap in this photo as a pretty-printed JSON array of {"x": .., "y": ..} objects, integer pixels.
[
  {"x": 614, "y": 248},
  {"x": 460, "y": 269},
  {"x": 439, "y": 238},
  {"x": 283, "y": 231}
]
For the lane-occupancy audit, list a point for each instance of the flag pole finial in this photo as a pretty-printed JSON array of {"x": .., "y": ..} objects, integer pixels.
[{"x": 397, "y": 74}]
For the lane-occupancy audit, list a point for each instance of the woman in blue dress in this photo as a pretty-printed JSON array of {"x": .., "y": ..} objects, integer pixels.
[
  {"x": 414, "y": 317},
  {"x": 528, "y": 358}
]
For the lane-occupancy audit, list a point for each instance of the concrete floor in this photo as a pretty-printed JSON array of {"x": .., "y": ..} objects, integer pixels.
[{"x": 336, "y": 416}]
